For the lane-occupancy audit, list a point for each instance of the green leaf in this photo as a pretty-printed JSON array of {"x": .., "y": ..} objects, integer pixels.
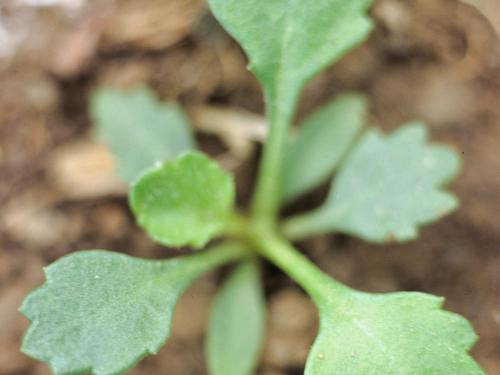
[
  {"x": 289, "y": 41},
  {"x": 387, "y": 188},
  {"x": 186, "y": 201},
  {"x": 237, "y": 323},
  {"x": 390, "y": 334},
  {"x": 375, "y": 334},
  {"x": 102, "y": 312},
  {"x": 320, "y": 144},
  {"x": 139, "y": 129}
]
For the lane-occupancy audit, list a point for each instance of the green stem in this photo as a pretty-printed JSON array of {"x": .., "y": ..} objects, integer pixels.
[
  {"x": 310, "y": 224},
  {"x": 315, "y": 282},
  {"x": 237, "y": 226},
  {"x": 267, "y": 196},
  {"x": 217, "y": 255}
]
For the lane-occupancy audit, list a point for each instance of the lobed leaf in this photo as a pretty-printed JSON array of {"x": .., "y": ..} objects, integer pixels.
[
  {"x": 321, "y": 143},
  {"x": 391, "y": 334},
  {"x": 237, "y": 323},
  {"x": 139, "y": 129},
  {"x": 387, "y": 188},
  {"x": 186, "y": 201},
  {"x": 102, "y": 312},
  {"x": 289, "y": 41}
]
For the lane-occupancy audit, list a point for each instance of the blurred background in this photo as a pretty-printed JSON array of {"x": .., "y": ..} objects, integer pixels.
[{"x": 433, "y": 60}]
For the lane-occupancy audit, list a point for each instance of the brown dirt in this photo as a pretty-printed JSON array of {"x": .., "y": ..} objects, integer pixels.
[{"x": 435, "y": 60}]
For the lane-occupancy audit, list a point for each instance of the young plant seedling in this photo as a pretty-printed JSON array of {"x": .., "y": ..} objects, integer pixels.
[{"x": 101, "y": 312}]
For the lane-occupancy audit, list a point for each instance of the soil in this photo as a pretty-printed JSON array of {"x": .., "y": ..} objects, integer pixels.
[{"x": 433, "y": 60}]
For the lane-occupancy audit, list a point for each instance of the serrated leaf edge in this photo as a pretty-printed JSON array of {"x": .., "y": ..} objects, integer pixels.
[{"x": 91, "y": 369}]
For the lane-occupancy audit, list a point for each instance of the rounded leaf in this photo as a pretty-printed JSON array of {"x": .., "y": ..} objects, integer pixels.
[{"x": 182, "y": 202}]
